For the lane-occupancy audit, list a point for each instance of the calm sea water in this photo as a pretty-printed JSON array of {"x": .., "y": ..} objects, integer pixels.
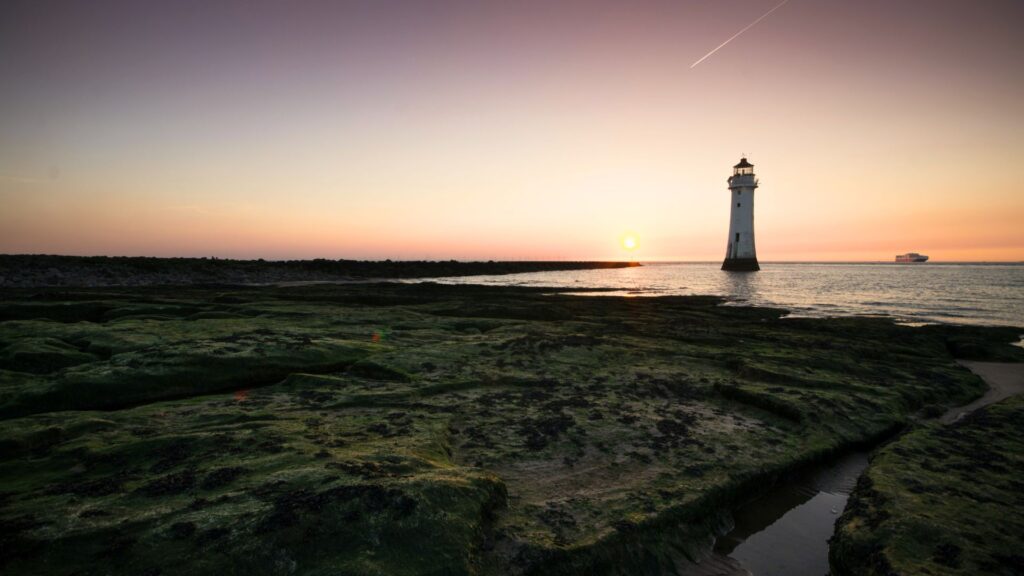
[{"x": 990, "y": 294}]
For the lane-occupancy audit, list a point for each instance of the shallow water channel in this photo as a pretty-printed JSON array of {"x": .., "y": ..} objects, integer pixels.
[{"x": 786, "y": 531}]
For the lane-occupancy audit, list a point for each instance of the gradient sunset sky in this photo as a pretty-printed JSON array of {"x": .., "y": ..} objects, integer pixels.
[{"x": 510, "y": 130}]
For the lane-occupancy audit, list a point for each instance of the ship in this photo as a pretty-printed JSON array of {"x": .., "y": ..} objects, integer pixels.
[{"x": 911, "y": 257}]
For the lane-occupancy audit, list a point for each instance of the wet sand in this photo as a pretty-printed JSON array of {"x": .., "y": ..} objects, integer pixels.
[{"x": 1004, "y": 379}]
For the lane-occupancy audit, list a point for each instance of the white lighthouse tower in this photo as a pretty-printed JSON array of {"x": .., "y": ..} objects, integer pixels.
[{"x": 741, "y": 254}]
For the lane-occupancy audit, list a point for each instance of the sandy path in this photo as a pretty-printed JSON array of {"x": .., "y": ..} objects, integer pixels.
[{"x": 1004, "y": 379}]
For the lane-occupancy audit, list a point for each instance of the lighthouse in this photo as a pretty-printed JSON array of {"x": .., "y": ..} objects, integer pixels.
[{"x": 740, "y": 255}]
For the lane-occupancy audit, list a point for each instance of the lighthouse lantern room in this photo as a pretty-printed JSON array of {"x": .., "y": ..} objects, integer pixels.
[{"x": 740, "y": 255}]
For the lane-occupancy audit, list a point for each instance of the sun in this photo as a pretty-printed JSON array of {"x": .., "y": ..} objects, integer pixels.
[{"x": 630, "y": 242}]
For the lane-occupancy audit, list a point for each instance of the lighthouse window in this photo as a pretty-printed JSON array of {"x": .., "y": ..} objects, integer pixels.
[
  {"x": 737, "y": 236},
  {"x": 737, "y": 204}
]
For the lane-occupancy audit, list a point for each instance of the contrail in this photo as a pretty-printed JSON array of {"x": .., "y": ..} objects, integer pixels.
[{"x": 734, "y": 36}]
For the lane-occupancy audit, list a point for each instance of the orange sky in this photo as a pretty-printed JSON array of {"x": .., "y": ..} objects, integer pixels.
[{"x": 512, "y": 131}]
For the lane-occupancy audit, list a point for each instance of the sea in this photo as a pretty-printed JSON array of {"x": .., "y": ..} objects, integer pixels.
[{"x": 924, "y": 293}]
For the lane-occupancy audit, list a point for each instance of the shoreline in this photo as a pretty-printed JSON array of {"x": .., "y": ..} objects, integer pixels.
[
  {"x": 780, "y": 287},
  {"x": 50, "y": 271},
  {"x": 383, "y": 414}
]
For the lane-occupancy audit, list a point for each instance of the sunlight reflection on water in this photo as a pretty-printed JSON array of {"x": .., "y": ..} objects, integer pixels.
[{"x": 990, "y": 294}]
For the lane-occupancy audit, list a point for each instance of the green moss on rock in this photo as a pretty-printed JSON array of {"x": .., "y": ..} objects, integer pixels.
[
  {"x": 424, "y": 429},
  {"x": 940, "y": 500}
]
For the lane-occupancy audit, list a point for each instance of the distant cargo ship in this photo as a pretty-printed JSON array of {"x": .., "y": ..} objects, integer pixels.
[{"x": 911, "y": 257}]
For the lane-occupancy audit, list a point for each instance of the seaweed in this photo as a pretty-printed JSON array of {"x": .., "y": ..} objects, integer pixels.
[{"x": 386, "y": 428}]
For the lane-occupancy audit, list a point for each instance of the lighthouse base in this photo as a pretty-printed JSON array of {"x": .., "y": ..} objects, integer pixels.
[{"x": 740, "y": 265}]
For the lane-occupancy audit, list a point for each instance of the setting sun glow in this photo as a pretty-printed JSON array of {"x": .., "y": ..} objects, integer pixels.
[{"x": 396, "y": 130}]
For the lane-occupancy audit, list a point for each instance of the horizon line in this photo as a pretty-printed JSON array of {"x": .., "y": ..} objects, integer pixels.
[{"x": 469, "y": 260}]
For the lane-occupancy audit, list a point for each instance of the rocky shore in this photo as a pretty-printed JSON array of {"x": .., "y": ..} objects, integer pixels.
[
  {"x": 413, "y": 429},
  {"x": 946, "y": 497},
  {"x": 25, "y": 271}
]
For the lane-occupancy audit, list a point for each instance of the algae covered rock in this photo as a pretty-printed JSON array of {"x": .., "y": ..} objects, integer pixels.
[
  {"x": 422, "y": 429},
  {"x": 42, "y": 355},
  {"x": 941, "y": 500},
  {"x": 171, "y": 368}
]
